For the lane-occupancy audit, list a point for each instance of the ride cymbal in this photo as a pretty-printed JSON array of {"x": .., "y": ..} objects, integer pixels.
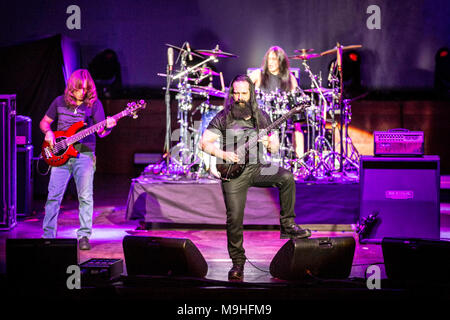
[
  {"x": 305, "y": 56},
  {"x": 334, "y": 50}
]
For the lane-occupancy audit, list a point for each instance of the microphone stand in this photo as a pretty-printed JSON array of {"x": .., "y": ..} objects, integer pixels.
[
  {"x": 341, "y": 104},
  {"x": 168, "y": 117}
]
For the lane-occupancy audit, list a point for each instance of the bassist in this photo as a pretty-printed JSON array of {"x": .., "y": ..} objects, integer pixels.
[
  {"x": 79, "y": 103},
  {"x": 240, "y": 115}
]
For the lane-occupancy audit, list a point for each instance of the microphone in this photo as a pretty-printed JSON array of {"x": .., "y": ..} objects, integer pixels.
[
  {"x": 188, "y": 49},
  {"x": 331, "y": 72},
  {"x": 339, "y": 57},
  {"x": 170, "y": 59}
]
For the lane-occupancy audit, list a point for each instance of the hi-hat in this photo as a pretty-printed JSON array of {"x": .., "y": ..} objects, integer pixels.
[
  {"x": 183, "y": 50},
  {"x": 209, "y": 91},
  {"x": 334, "y": 50},
  {"x": 304, "y": 51}
]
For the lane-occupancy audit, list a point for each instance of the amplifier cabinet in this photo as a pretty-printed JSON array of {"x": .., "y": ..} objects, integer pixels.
[
  {"x": 8, "y": 174},
  {"x": 24, "y": 180},
  {"x": 404, "y": 193}
]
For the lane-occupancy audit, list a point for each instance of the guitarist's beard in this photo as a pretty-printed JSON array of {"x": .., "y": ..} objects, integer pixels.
[{"x": 241, "y": 110}]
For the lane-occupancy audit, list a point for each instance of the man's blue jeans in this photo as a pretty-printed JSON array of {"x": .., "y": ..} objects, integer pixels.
[{"x": 82, "y": 169}]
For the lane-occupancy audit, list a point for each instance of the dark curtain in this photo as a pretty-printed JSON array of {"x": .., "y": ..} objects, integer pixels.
[{"x": 34, "y": 72}]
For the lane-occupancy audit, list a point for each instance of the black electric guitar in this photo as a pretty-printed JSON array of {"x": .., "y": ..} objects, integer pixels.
[
  {"x": 63, "y": 149},
  {"x": 228, "y": 170}
]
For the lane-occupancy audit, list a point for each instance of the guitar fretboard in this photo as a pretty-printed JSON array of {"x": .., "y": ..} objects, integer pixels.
[
  {"x": 241, "y": 150},
  {"x": 86, "y": 132}
]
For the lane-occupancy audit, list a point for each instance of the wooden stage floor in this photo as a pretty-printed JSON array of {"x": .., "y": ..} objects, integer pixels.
[{"x": 110, "y": 226}]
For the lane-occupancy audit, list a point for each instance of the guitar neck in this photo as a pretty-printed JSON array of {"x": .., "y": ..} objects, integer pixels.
[
  {"x": 263, "y": 132},
  {"x": 88, "y": 131}
]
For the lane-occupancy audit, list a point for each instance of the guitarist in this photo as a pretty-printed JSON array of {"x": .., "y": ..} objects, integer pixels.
[
  {"x": 240, "y": 115},
  {"x": 79, "y": 103}
]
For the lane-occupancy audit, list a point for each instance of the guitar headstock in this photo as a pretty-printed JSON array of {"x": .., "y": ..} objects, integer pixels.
[{"x": 133, "y": 107}]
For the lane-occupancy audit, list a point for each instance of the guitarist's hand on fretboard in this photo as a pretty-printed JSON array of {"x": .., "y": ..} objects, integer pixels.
[{"x": 110, "y": 123}]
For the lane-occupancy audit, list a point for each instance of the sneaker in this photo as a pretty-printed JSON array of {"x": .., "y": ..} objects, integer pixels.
[
  {"x": 294, "y": 231},
  {"x": 84, "y": 244},
  {"x": 236, "y": 273}
]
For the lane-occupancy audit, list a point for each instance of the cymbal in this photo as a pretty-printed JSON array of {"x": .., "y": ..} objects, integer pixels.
[
  {"x": 209, "y": 90},
  {"x": 216, "y": 53},
  {"x": 303, "y": 51},
  {"x": 334, "y": 50},
  {"x": 182, "y": 50},
  {"x": 305, "y": 56},
  {"x": 325, "y": 91}
]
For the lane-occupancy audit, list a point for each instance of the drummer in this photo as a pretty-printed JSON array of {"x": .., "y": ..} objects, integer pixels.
[{"x": 274, "y": 75}]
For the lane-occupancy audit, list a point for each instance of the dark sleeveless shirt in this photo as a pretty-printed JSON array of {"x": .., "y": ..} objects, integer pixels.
[{"x": 272, "y": 84}]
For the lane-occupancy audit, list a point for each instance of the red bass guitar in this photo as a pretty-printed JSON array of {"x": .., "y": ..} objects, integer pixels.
[{"x": 63, "y": 149}]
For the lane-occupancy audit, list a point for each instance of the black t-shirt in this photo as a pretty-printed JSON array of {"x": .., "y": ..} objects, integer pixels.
[
  {"x": 236, "y": 132},
  {"x": 64, "y": 117}
]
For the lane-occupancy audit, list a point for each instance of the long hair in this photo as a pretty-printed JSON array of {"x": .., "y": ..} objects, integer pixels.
[
  {"x": 79, "y": 79},
  {"x": 284, "y": 72},
  {"x": 253, "y": 103}
]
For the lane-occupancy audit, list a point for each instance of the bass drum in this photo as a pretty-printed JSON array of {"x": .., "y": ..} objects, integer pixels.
[{"x": 208, "y": 160}]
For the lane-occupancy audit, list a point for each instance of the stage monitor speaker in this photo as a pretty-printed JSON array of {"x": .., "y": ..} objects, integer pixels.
[
  {"x": 412, "y": 260},
  {"x": 299, "y": 259},
  {"x": 163, "y": 256},
  {"x": 39, "y": 263},
  {"x": 403, "y": 194}
]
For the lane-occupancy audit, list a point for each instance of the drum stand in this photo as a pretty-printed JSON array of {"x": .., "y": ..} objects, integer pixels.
[
  {"x": 316, "y": 166},
  {"x": 179, "y": 160},
  {"x": 349, "y": 158}
]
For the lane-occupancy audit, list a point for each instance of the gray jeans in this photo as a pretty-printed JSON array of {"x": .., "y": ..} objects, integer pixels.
[{"x": 82, "y": 169}]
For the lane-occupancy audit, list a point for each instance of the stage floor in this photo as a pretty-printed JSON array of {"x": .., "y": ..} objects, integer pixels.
[{"x": 111, "y": 225}]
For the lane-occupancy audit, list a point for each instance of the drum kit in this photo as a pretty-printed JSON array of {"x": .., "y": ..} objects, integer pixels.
[{"x": 325, "y": 120}]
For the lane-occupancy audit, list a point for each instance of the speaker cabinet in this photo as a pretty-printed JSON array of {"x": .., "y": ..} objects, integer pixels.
[
  {"x": 404, "y": 193},
  {"x": 319, "y": 257},
  {"x": 39, "y": 263},
  {"x": 8, "y": 171},
  {"x": 23, "y": 130},
  {"x": 416, "y": 261},
  {"x": 163, "y": 256}
]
